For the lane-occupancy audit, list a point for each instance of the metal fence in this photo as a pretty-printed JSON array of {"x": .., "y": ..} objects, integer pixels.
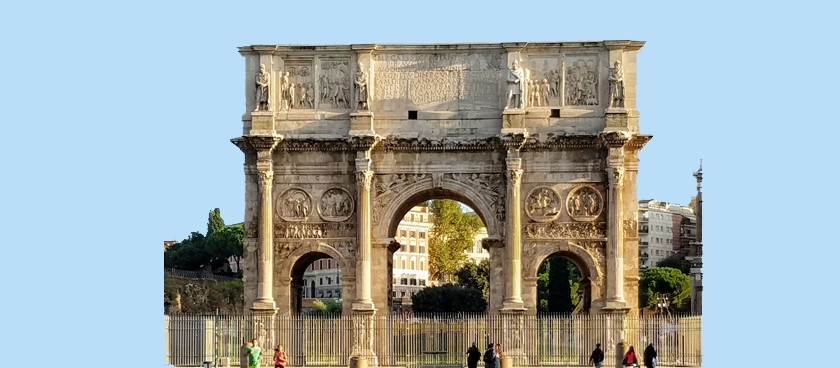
[
  {"x": 440, "y": 341},
  {"x": 196, "y": 275}
]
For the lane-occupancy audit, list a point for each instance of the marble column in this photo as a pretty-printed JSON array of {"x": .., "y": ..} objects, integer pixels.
[
  {"x": 364, "y": 178},
  {"x": 513, "y": 243},
  {"x": 615, "y": 251},
  {"x": 265, "y": 237}
]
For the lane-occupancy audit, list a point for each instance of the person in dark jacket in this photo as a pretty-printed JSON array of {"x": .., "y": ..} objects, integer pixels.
[
  {"x": 488, "y": 357},
  {"x": 597, "y": 356},
  {"x": 650, "y": 354},
  {"x": 473, "y": 356}
]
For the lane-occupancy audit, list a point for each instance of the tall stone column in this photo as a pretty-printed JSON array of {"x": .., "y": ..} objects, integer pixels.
[
  {"x": 363, "y": 307},
  {"x": 364, "y": 178},
  {"x": 615, "y": 251},
  {"x": 264, "y": 303},
  {"x": 513, "y": 224}
]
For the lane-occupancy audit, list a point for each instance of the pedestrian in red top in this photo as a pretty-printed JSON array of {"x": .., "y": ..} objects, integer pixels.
[
  {"x": 630, "y": 359},
  {"x": 280, "y": 357}
]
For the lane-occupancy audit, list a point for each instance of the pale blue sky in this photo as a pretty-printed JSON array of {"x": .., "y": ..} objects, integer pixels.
[{"x": 117, "y": 119}]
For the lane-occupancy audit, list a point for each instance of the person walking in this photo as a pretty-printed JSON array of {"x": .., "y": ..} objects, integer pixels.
[
  {"x": 280, "y": 358},
  {"x": 630, "y": 358},
  {"x": 650, "y": 356},
  {"x": 597, "y": 356},
  {"x": 473, "y": 356},
  {"x": 254, "y": 354}
]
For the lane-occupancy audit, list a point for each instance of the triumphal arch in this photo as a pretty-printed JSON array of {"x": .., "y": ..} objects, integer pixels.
[{"x": 541, "y": 139}]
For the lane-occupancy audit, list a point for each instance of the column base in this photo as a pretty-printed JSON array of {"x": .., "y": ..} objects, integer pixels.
[
  {"x": 364, "y": 307},
  {"x": 513, "y": 307},
  {"x": 615, "y": 305},
  {"x": 264, "y": 306}
]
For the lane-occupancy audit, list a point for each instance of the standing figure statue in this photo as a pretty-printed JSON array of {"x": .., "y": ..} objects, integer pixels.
[
  {"x": 284, "y": 91},
  {"x": 616, "y": 85},
  {"x": 361, "y": 88},
  {"x": 514, "y": 91},
  {"x": 262, "y": 88}
]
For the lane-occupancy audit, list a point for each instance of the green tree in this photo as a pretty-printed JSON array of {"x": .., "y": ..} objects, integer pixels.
[
  {"x": 214, "y": 222},
  {"x": 448, "y": 298},
  {"x": 475, "y": 276},
  {"x": 664, "y": 280},
  {"x": 558, "y": 285},
  {"x": 452, "y": 233},
  {"x": 233, "y": 291},
  {"x": 674, "y": 261},
  {"x": 188, "y": 254},
  {"x": 226, "y": 243},
  {"x": 322, "y": 308}
]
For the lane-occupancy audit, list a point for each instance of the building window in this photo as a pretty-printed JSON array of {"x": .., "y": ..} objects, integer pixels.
[
  {"x": 422, "y": 235},
  {"x": 412, "y": 235},
  {"x": 413, "y": 282},
  {"x": 403, "y": 263},
  {"x": 422, "y": 282},
  {"x": 320, "y": 281},
  {"x": 422, "y": 264},
  {"x": 422, "y": 249},
  {"x": 402, "y": 233},
  {"x": 413, "y": 264},
  {"x": 403, "y": 281}
]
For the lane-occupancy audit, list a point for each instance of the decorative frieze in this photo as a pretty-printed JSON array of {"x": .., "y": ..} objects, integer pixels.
[{"x": 565, "y": 230}]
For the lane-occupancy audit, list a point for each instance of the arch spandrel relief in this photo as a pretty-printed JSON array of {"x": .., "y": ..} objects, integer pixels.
[
  {"x": 543, "y": 204},
  {"x": 336, "y": 205},
  {"x": 294, "y": 205},
  {"x": 584, "y": 203}
]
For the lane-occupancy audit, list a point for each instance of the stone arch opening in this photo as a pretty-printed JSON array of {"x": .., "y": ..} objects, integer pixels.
[
  {"x": 583, "y": 255},
  {"x": 409, "y": 258},
  {"x": 455, "y": 191},
  {"x": 563, "y": 284},
  {"x": 316, "y": 272}
]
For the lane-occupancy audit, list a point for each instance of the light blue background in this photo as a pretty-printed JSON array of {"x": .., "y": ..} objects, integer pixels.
[{"x": 116, "y": 119}]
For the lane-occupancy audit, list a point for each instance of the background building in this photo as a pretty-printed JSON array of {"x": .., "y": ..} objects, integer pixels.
[
  {"x": 410, "y": 270},
  {"x": 665, "y": 229}
]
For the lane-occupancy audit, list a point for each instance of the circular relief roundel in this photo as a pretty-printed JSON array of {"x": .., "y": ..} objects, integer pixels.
[
  {"x": 542, "y": 204},
  {"x": 335, "y": 205},
  {"x": 584, "y": 203},
  {"x": 294, "y": 205}
]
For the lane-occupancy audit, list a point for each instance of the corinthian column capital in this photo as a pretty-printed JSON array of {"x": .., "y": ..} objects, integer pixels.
[
  {"x": 266, "y": 178},
  {"x": 364, "y": 179},
  {"x": 514, "y": 176},
  {"x": 615, "y": 175}
]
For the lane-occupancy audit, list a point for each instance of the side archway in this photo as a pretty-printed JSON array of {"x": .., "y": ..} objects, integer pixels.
[
  {"x": 535, "y": 253},
  {"x": 290, "y": 270}
]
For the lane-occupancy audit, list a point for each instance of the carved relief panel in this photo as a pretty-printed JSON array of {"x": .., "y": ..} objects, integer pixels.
[
  {"x": 491, "y": 188},
  {"x": 336, "y": 205},
  {"x": 387, "y": 187},
  {"x": 545, "y": 82},
  {"x": 584, "y": 203},
  {"x": 471, "y": 80},
  {"x": 293, "y": 205},
  {"x": 581, "y": 87},
  {"x": 334, "y": 84},
  {"x": 542, "y": 204},
  {"x": 296, "y": 85}
]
